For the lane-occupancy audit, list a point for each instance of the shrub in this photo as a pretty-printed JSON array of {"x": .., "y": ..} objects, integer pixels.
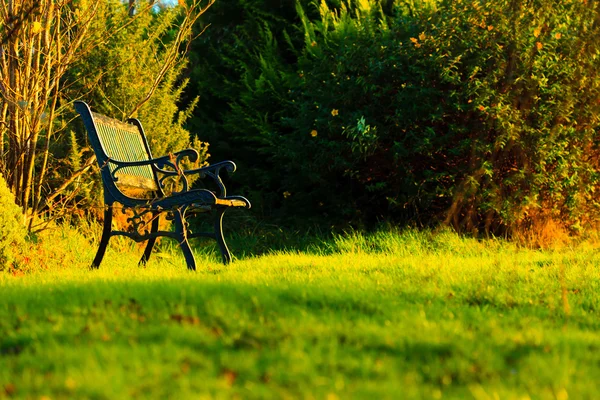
[
  {"x": 13, "y": 232},
  {"x": 521, "y": 78},
  {"x": 478, "y": 114}
]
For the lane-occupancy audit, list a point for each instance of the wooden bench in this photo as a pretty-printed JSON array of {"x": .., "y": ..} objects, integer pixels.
[{"x": 126, "y": 163}]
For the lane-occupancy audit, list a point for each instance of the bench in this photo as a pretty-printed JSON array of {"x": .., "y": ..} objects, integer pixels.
[{"x": 138, "y": 182}]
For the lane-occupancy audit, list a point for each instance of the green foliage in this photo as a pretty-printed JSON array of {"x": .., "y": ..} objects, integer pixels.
[
  {"x": 12, "y": 231},
  {"x": 524, "y": 85},
  {"x": 126, "y": 70},
  {"x": 310, "y": 116},
  {"x": 482, "y": 115},
  {"x": 219, "y": 58},
  {"x": 122, "y": 72}
]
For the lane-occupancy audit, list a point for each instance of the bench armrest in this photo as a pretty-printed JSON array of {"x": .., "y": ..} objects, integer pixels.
[
  {"x": 211, "y": 171},
  {"x": 172, "y": 161}
]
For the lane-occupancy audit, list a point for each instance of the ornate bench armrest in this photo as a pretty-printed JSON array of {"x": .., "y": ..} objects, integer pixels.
[
  {"x": 212, "y": 171},
  {"x": 172, "y": 161}
]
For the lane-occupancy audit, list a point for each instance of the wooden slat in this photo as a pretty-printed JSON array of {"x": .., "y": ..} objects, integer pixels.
[
  {"x": 123, "y": 142},
  {"x": 230, "y": 203}
]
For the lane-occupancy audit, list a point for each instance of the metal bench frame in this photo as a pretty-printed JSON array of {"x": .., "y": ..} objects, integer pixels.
[{"x": 125, "y": 160}]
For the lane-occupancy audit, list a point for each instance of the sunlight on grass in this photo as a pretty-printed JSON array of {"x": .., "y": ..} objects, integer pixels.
[{"x": 421, "y": 314}]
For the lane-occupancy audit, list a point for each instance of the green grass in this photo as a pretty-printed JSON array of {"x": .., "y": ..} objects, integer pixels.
[{"x": 390, "y": 315}]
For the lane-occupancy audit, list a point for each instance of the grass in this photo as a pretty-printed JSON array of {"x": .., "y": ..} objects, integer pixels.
[{"x": 389, "y": 315}]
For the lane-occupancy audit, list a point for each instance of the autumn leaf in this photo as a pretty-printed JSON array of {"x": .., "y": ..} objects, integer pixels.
[
  {"x": 10, "y": 389},
  {"x": 229, "y": 376},
  {"x": 415, "y": 42}
]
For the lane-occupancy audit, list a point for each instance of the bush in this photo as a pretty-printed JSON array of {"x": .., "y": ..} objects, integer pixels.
[
  {"x": 13, "y": 232},
  {"x": 522, "y": 84},
  {"x": 481, "y": 115}
]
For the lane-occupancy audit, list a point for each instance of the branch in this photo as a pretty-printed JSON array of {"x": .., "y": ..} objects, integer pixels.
[
  {"x": 19, "y": 22},
  {"x": 172, "y": 57},
  {"x": 90, "y": 161}
]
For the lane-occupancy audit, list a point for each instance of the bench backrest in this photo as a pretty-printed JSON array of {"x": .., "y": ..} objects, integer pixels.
[{"x": 116, "y": 140}]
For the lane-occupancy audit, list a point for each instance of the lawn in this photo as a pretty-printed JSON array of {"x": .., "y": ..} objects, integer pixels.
[{"x": 391, "y": 315}]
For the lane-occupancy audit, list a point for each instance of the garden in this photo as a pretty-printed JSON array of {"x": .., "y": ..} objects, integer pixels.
[{"x": 423, "y": 178}]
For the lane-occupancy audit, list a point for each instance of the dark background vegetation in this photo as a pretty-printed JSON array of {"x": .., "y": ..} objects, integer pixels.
[{"x": 482, "y": 115}]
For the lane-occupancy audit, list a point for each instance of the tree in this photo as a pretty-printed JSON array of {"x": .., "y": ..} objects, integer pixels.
[
  {"x": 35, "y": 59},
  {"x": 32, "y": 62}
]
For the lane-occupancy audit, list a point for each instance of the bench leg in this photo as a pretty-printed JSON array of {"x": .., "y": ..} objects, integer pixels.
[
  {"x": 151, "y": 242},
  {"x": 183, "y": 240},
  {"x": 106, "y": 229},
  {"x": 225, "y": 254}
]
